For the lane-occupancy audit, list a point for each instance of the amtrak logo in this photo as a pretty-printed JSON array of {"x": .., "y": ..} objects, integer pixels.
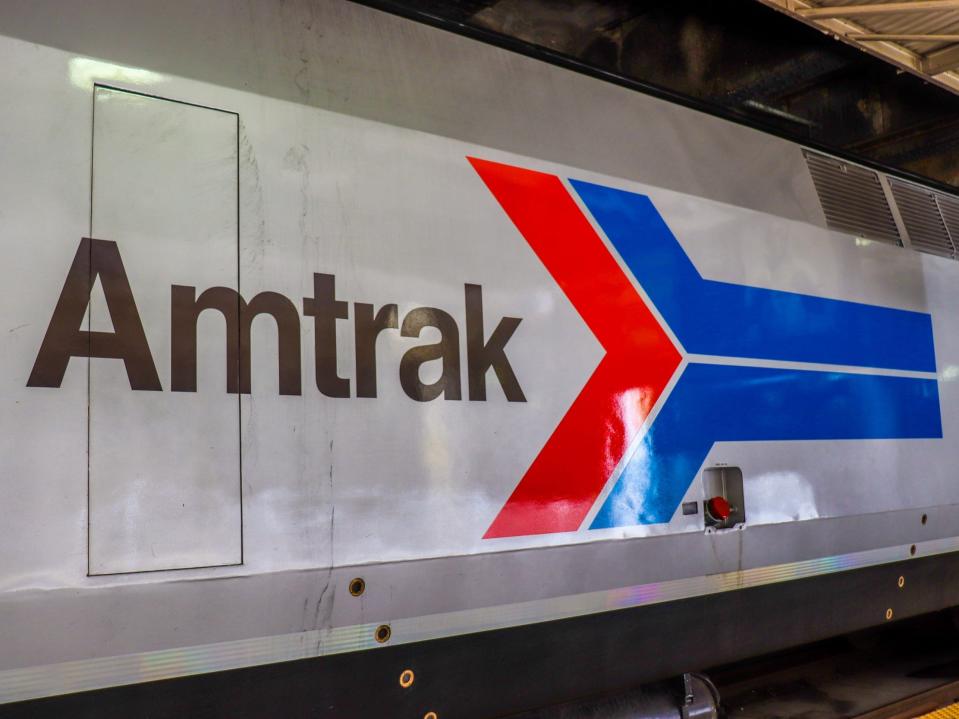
[
  {"x": 100, "y": 260},
  {"x": 732, "y": 367}
]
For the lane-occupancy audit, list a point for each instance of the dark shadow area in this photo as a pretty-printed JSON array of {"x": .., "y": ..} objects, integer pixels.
[{"x": 875, "y": 672}]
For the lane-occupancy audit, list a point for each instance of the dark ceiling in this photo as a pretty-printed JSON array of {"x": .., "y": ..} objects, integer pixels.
[{"x": 737, "y": 58}]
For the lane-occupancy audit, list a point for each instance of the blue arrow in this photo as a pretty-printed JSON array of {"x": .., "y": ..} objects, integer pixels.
[
  {"x": 720, "y": 318},
  {"x": 724, "y": 403}
]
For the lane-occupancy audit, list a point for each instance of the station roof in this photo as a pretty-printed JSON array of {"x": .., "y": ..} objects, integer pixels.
[{"x": 921, "y": 36}]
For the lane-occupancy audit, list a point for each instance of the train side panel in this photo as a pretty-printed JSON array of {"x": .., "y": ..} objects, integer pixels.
[{"x": 259, "y": 344}]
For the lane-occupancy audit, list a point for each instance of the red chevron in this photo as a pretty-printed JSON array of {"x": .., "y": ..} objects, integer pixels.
[{"x": 573, "y": 466}]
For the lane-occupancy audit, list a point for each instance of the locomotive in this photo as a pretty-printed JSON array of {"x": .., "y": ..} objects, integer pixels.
[{"x": 632, "y": 390}]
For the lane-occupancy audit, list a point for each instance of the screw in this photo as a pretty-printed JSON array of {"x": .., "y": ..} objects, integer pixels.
[{"x": 357, "y": 586}]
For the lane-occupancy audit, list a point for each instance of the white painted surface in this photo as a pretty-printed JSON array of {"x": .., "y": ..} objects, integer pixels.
[{"x": 164, "y": 466}]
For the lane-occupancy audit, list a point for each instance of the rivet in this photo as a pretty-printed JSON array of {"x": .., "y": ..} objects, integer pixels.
[
  {"x": 889, "y": 614},
  {"x": 357, "y": 586},
  {"x": 912, "y": 550},
  {"x": 382, "y": 633},
  {"x": 406, "y": 678},
  {"x": 901, "y": 582}
]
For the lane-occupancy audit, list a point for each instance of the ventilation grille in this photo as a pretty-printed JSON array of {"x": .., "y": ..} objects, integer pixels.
[
  {"x": 949, "y": 209},
  {"x": 852, "y": 199},
  {"x": 931, "y": 218}
]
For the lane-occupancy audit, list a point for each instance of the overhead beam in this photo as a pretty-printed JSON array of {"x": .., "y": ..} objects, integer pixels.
[
  {"x": 900, "y": 37},
  {"x": 836, "y": 11},
  {"x": 892, "y": 52},
  {"x": 941, "y": 60}
]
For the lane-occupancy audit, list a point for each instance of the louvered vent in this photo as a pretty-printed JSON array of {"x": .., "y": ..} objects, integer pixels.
[
  {"x": 852, "y": 198},
  {"x": 931, "y": 218},
  {"x": 949, "y": 209}
]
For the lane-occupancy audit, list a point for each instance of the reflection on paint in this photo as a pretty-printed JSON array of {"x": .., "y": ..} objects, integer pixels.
[
  {"x": 636, "y": 482},
  {"x": 779, "y": 497},
  {"x": 85, "y": 71},
  {"x": 634, "y": 406},
  {"x": 435, "y": 448},
  {"x": 728, "y": 403},
  {"x": 950, "y": 373},
  {"x": 863, "y": 242}
]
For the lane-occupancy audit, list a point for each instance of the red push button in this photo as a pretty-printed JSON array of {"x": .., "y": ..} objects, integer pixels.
[{"x": 718, "y": 508}]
